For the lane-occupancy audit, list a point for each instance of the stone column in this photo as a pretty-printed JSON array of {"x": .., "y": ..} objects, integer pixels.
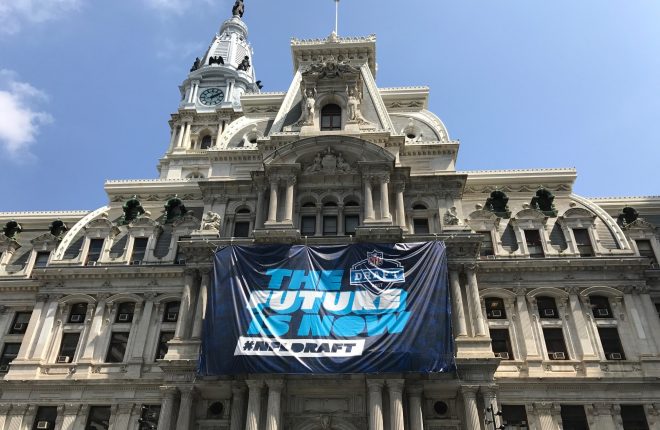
[
  {"x": 319, "y": 222},
  {"x": 31, "y": 334},
  {"x": 395, "y": 389},
  {"x": 200, "y": 312},
  {"x": 490, "y": 401},
  {"x": 273, "y": 414},
  {"x": 85, "y": 334},
  {"x": 644, "y": 343},
  {"x": 46, "y": 331},
  {"x": 580, "y": 323},
  {"x": 475, "y": 301},
  {"x": 183, "y": 325},
  {"x": 69, "y": 416},
  {"x": 457, "y": 303},
  {"x": 259, "y": 217},
  {"x": 167, "y": 408},
  {"x": 369, "y": 214},
  {"x": 400, "y": 206},
  {"x": 143, "y": 327},
  {"x": 182, "y": 131},
  {"x": 21, "y": 416},
  {"x": 290, "y": 185},
  {"x": 59, "y": 418},
  {"x": 472, "y": 420},
  {"x": 218, "y": 137},
  {"x": 340, "y": 219},
  {"x": 529, "y": 340},
  {"x": 415, "y": 408},
  {"x": 4, "y": 412},
  {"x": 237, "y": 408},
  {"x": 186, "y": 137},
  {"x": 652, "y": 415},
  {"x": 185, "y": 408},
  {"x": 385, "y": 199},
  {"x": 601, "y": 414},
  {"x": 544, "y": 411},
  {"x": 272, "y": 204},
  {"x": 375, "y": 387},
  {"x": 651, "y": 315},
  {"x": 253, "y": 419},
  {"x": 123, "y": 415}
]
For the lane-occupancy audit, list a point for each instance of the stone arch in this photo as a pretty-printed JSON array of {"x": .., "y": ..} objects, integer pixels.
[
  {"x": 549, "y": 292},
  {"x": 499, "y": 293},
  {"x": 532, "y": 214},
  {"x": 352, "y": 148},
  {"x": 235, "y": 206},
  {"x": 601, "y": 291},
  {"x": 77, "y": 298},
  {"x": 124, "y": 297},
  {"x": 166, "y": 298},
  {"x": 308, "y": 197}
]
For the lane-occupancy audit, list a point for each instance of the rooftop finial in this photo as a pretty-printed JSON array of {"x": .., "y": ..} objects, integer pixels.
[{"x": 238, "y": 9}]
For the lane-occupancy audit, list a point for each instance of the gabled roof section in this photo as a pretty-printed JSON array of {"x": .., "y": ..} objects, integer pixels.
[{"x": 343, "y": 48}]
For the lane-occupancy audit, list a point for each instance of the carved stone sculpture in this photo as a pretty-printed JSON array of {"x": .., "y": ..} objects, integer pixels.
[
  {"x": 450, "y": 217},
  {"x": 543, "y": 201},
  {"x": 308, "y": 105},
  {"x": 12, "y": 228},
  {"x": 329, "y": 162},
  {"x": 354, "y": 101},
  {"x": 57, "y": 228},
  {"x": 174, "y": 209},
  {"x": 211, "y": 221},
  {"x": 196, "y": 65},
  {"x": 238, "y": 9},
  {"x": 628, "y": 216},
  {"x": 498, "y": 204},
  {"x": 245, "y": 64},
  {"x": 216, "y": 60},
  {"x": 132, "y": 210}
]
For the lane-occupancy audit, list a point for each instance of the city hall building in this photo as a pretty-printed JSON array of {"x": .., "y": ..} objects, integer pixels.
[{"x": 553, "y": 297}]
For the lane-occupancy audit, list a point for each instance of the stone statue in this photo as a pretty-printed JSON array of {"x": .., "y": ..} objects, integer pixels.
[
  {"x": 498, "y": 204},
  {"x": 216, "y": 60},
  {"x": 211, "y": 221},
  {"x": 132, "y": 210},
  {"x": 309, "y": 103},
  {"x": 196, "y": 65},
  {"x": 342, "y": 165},
  {"x": 354, "y": 101},
  {"x": 450, "y": 217},
  {"x": 543, "y": 201},
  {"x": 12, "y": 228},
  {"x": 174, "y": 209},
  {"x": 238, "y": 9},
  {"x": 628, "y": 216},
  {"x": 316, "y": 166},
  {"x": 245, "y": 64},
  {"x": 57, "y": 228}
]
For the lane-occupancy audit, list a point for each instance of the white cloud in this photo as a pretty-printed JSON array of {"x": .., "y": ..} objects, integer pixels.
[
  {"x": 176, "y": 6},
  {"x": 19, "y": 121},
  {"x": 14, "y": 14}
]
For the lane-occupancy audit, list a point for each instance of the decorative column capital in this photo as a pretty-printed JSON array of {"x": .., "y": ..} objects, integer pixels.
[
  {"x": 544, "y": 407},
  {"x": 396, "y": 385},
  {"x": 254, "y": 384},
  {"x": 169, "y": 391},
  {"x": 375, "y": 385},
  {"x": 415, "y": 390},
  {"x": 520, "y": 291},
  {"x": 276, "y": 385},
  {"x": 469, "y": 391},
  {"x": 238, "y": 389},
  {"x": 125, "y": 408}
]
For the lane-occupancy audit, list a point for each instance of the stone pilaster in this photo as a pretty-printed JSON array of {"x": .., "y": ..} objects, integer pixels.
[
  {"x": 253, "y": 419},
  {"x": 415, "y": 407},
  {"x": 395, "y": 390},
  {"x": 471, "y": 411},
  {"x": 273, "y": 414},
  {"x": 186, "y": 407},
  {"x": 375, "y": 387},
  {"x": 237, "y": 408},
  {"x": 167, "y": 408}
]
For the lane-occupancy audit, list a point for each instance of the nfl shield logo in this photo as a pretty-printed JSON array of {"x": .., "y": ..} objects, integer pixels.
[{"x": 375, "y": 258}]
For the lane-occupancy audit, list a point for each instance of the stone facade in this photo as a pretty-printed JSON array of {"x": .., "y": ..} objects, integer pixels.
[{"x": 554, "y": 296}]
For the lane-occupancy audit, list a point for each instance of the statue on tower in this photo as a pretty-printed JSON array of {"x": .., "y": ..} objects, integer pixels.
[{"x": 238, "y": 9}]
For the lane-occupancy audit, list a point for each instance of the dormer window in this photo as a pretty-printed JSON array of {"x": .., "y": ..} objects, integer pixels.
[
  {"x": 207, "y": 142},
  {"x": 94, "y": 253},
  {"x": 330, "y": 118}
]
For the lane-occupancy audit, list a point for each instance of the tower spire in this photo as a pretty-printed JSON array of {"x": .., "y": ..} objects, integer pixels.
[{"x": 238, "y": 9}]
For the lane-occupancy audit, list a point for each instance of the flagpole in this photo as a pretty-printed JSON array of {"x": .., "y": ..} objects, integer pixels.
[{"x": 337, "y": 17}]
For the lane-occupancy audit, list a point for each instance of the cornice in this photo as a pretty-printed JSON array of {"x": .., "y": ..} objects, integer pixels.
[
  {"x": 104, "y": 272},
  {"x": 564, "y": 264}
]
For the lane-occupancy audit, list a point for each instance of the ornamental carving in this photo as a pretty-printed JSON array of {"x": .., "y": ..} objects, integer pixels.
[{"x": 329, "y": 162}]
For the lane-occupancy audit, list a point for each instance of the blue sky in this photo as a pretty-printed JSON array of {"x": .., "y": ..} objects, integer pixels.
[{"x": 87, "y": 86}]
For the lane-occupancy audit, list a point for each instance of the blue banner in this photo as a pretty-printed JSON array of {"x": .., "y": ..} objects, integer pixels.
[{"x": 359, "y": 308}]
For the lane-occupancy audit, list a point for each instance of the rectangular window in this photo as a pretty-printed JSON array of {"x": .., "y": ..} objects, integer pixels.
[
  {"x": 329, "y": 226},
  {"x": 534, "y": 245},
  {"x": 351, "y": 223},
  {"x": 125, "y": 312},
  {"x": 117, "y": 348},
  {"x": 139, "y": 250},
  {"x": 149, "y": 417},
  {"x": 68, "y": 347},
  {"x": 514, "y": 417},
  {"x": 94, "y": 252},
  {"x": 609, "y": 338},
  {"x": 547, "y": 307},
  {"x": 242, "y": 229},
  {"x": 634, "y": 417},
  {"x": 98, "y": 418},
  {"x": 421, "y": 225},
  {"x": 495, "y": 308},
  {"x": 554, "y": 342},
  {"x": 501, "y": 343},
  {"x": 646, "y": 250},
  {"x": 42, "y": 259},
  {"x": 45, "y": 418},
  {"x": 9, "y": 353},
  {"x": 583, "y": 242},
  {"x": 78, "y": 313},
  {"x": 20, "y": 324},
  {"x": 486, "y": 244},
  {"x": 601, "y": 307},
  {"x": 161, "y": 350},
  {"x": 573, "y": 417},
  {"x": 308, "y": 225}
]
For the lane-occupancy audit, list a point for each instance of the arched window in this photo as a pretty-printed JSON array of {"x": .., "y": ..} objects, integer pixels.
[
  {"x": 601, "y": 307},
  {"x": 547, "y": 307},
  {"x": 330, "y": 118},
  {"x": 125, "y": 312},
  {"x": 78, "y": 312},
  {"x": 495, "y": 308},
  {"x": 171, "y": 313},
  {"x": 207, "y": 142}
]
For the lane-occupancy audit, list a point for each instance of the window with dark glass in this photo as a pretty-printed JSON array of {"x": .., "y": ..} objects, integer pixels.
[
  {"x": 534, "y": 245},
  {"x": 330, "y": 118},
  {"x": 495, "y": 308},
  {"x": 78, "y": 312},
  {"x": 42, "y": 259},
  {"x": 634, "y": 417},
  {"x": 308, "y": 225},
  {"x": 547, "y": 307},
  {"x": 117, "y": 348},
  {"x": 242, "y": 229},
  {"x": 601, "y": 307},
  {"x": 20, "y": 324},
  {"x": 45, "y": 418},
  {"x": 98, "y": 418},
  {"x": 9, "y": 353},
  {"x": 139, "y": 250},
  {"x": 94, "y": 252},
  {"x": 149, "y": 417},
  {"x": 514, "y": 417},
  {"x": 68, "y": 347},
  {"x": 657, "y": 308},
  {"x": 583, "y": 242},
  {"x": 207, "y": 142},
  {"x": 554, "y": 343},
  {"x": 421, "y": 225},
  {"x": 125, "y": 312},
  {"x": 573, "y": 417},
  {"x": 486, "y": 244},
  {"x": 646, "y": 250},
  {"x": 609, "y": 338},
  {"x": 171, "y": 313},
  {"x": 161, "y": 350},
  {"x": 501, "y": 343},
  {"x": 351, "y": 223},
  {"x": 329, "y": 225}
]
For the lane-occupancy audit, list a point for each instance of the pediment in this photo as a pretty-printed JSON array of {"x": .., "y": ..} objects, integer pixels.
[
  {"x": 640, "y": 224},
  {"x": 579, "y": 213},
  {"x": 531, "y": 214},
  {"x": 45, "y": 239}
]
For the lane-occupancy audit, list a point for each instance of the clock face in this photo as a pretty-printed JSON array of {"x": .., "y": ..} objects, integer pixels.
[{"x": 212, "y": 97}]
